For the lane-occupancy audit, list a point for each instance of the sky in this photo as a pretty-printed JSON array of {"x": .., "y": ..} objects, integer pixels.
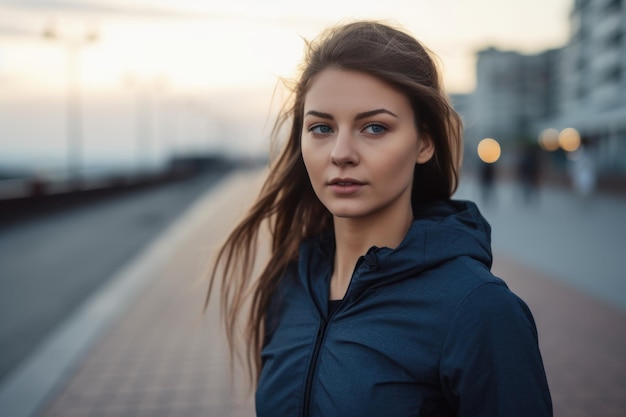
[{"x": 194, "y": 75}]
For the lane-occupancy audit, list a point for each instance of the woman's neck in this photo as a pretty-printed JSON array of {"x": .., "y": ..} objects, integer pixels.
[{"x": 354, "y": 237}]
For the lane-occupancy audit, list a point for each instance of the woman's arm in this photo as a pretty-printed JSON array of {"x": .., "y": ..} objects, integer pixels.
[{"x": 490, "y": 363}]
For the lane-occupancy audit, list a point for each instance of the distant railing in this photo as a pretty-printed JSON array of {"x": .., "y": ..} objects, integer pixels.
[
  {"x": 36, "y": 186},
  {"x": 24, "y": 197}
]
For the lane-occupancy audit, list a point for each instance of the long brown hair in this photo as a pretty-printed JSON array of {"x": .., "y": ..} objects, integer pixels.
[{"x": 287, "y": 203}]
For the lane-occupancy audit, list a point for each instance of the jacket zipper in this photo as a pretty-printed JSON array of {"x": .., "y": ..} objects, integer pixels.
[{"x": 321, "y": 333}]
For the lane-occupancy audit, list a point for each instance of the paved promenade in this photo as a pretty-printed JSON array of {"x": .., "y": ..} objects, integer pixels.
[{"x": 141, "y": 346}]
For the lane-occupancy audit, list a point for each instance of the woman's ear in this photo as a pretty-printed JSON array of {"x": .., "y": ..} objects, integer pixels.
[{"x": 426, "y": 149}]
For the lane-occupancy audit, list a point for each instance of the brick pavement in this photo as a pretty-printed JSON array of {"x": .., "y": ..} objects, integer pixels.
[
  {"x": 582, "y": 340},
  {"x": 164, "y": 359}
]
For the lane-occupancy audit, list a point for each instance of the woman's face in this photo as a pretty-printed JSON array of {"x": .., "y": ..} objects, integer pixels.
[{"x": 360, "y": 144}]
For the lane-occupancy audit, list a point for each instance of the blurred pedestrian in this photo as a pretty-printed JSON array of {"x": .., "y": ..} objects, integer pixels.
[
  {"x": 583, "y": 173},
  {"x": 529, "y": 173},
  {"x": 487, "y": 182},
  {"x": 377, "y": 298}
]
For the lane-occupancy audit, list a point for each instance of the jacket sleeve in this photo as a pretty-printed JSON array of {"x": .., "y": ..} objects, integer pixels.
[{"x": 490, "y": 363}]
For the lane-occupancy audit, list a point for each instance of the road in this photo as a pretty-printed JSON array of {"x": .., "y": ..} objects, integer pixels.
[{"x": 49, "y": 265}]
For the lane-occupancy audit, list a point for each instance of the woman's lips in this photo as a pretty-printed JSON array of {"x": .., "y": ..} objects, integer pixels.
[{"x": 345, "y": 186}]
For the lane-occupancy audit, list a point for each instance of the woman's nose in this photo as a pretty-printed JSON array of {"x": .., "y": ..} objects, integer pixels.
[{"x": 344, "y": 151}]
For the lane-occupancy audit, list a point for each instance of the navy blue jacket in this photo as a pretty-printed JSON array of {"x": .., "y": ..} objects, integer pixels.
[{"x": 423, "y": 330}]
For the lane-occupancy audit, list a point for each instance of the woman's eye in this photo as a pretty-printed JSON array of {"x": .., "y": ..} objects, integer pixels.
[
  {"x": 375, "y": 129},
  {"x": 320, "y": 129}
]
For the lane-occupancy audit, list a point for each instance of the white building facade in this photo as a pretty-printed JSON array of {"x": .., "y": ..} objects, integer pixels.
[
  {"x": 582, "y": 85},
  {"x": 593, "y": 80},
  {"x": 513, "y": 91}
]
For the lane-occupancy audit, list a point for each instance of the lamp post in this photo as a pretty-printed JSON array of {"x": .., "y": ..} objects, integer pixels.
[
  {"x": 74, "y": 125},
  {"x": 147, "y": 116}
]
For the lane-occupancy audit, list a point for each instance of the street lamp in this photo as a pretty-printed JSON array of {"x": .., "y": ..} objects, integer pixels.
[
  {"x": 489, "y": 150},
  {"x": 569, "y": 139},
  {"x": 74, "y": 128},
  {"x": 147, "y": 114}
]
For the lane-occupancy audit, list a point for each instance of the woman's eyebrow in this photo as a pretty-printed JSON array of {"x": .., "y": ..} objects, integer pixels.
[
  {"x": 370, "y": 113},
  {"x": 363, "y": 115},
  {"x": 320, "y": 114}
]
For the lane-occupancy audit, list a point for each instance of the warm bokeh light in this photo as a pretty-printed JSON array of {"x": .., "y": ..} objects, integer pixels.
[
  {"x": 549, "y": 140},
  {"x": 569, "y": 139},
  {"x": 489, "y": 150}
]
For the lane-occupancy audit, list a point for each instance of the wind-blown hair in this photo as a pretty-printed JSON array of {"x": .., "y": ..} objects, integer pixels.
[{"x": 287, "y": 203}]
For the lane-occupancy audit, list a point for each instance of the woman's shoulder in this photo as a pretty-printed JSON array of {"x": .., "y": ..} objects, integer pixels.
[
  {"x": 471, "y": 289},
  {"x": 485, "y": 299},
  {"x": 463, "y": 275}
]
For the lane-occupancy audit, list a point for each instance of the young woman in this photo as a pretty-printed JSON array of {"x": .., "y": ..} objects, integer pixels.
[{"x": 377, "y": 298}]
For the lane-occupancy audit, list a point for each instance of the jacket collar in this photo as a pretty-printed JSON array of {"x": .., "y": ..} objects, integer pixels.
[{"x": 442, "y": 231}]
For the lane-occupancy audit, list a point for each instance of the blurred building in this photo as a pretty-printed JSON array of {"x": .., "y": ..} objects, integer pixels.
[
  {"x": 513, "y": 91},
  {"x": 462, "y": 103},
  {"x": 593, "y": 80},
  {"x": 581, "y": 85}
]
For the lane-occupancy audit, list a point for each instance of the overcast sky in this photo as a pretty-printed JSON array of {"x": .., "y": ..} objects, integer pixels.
[
  {"x": 172, "y": 37},
  {"x": 231, "y": 51}
]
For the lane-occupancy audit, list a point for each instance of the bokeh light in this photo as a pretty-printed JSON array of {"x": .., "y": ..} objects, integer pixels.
[
  {"x": 569, "y": 139},
  {"x": 489, "y": 150},
  {"x": 549, "y": 139}
]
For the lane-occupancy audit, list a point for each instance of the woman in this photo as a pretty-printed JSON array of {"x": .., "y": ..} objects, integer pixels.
[{"x": 377, "y": 299}]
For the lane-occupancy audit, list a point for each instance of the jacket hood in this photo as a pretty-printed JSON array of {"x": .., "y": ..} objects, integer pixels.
[{"x": 441, "y": 231}]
